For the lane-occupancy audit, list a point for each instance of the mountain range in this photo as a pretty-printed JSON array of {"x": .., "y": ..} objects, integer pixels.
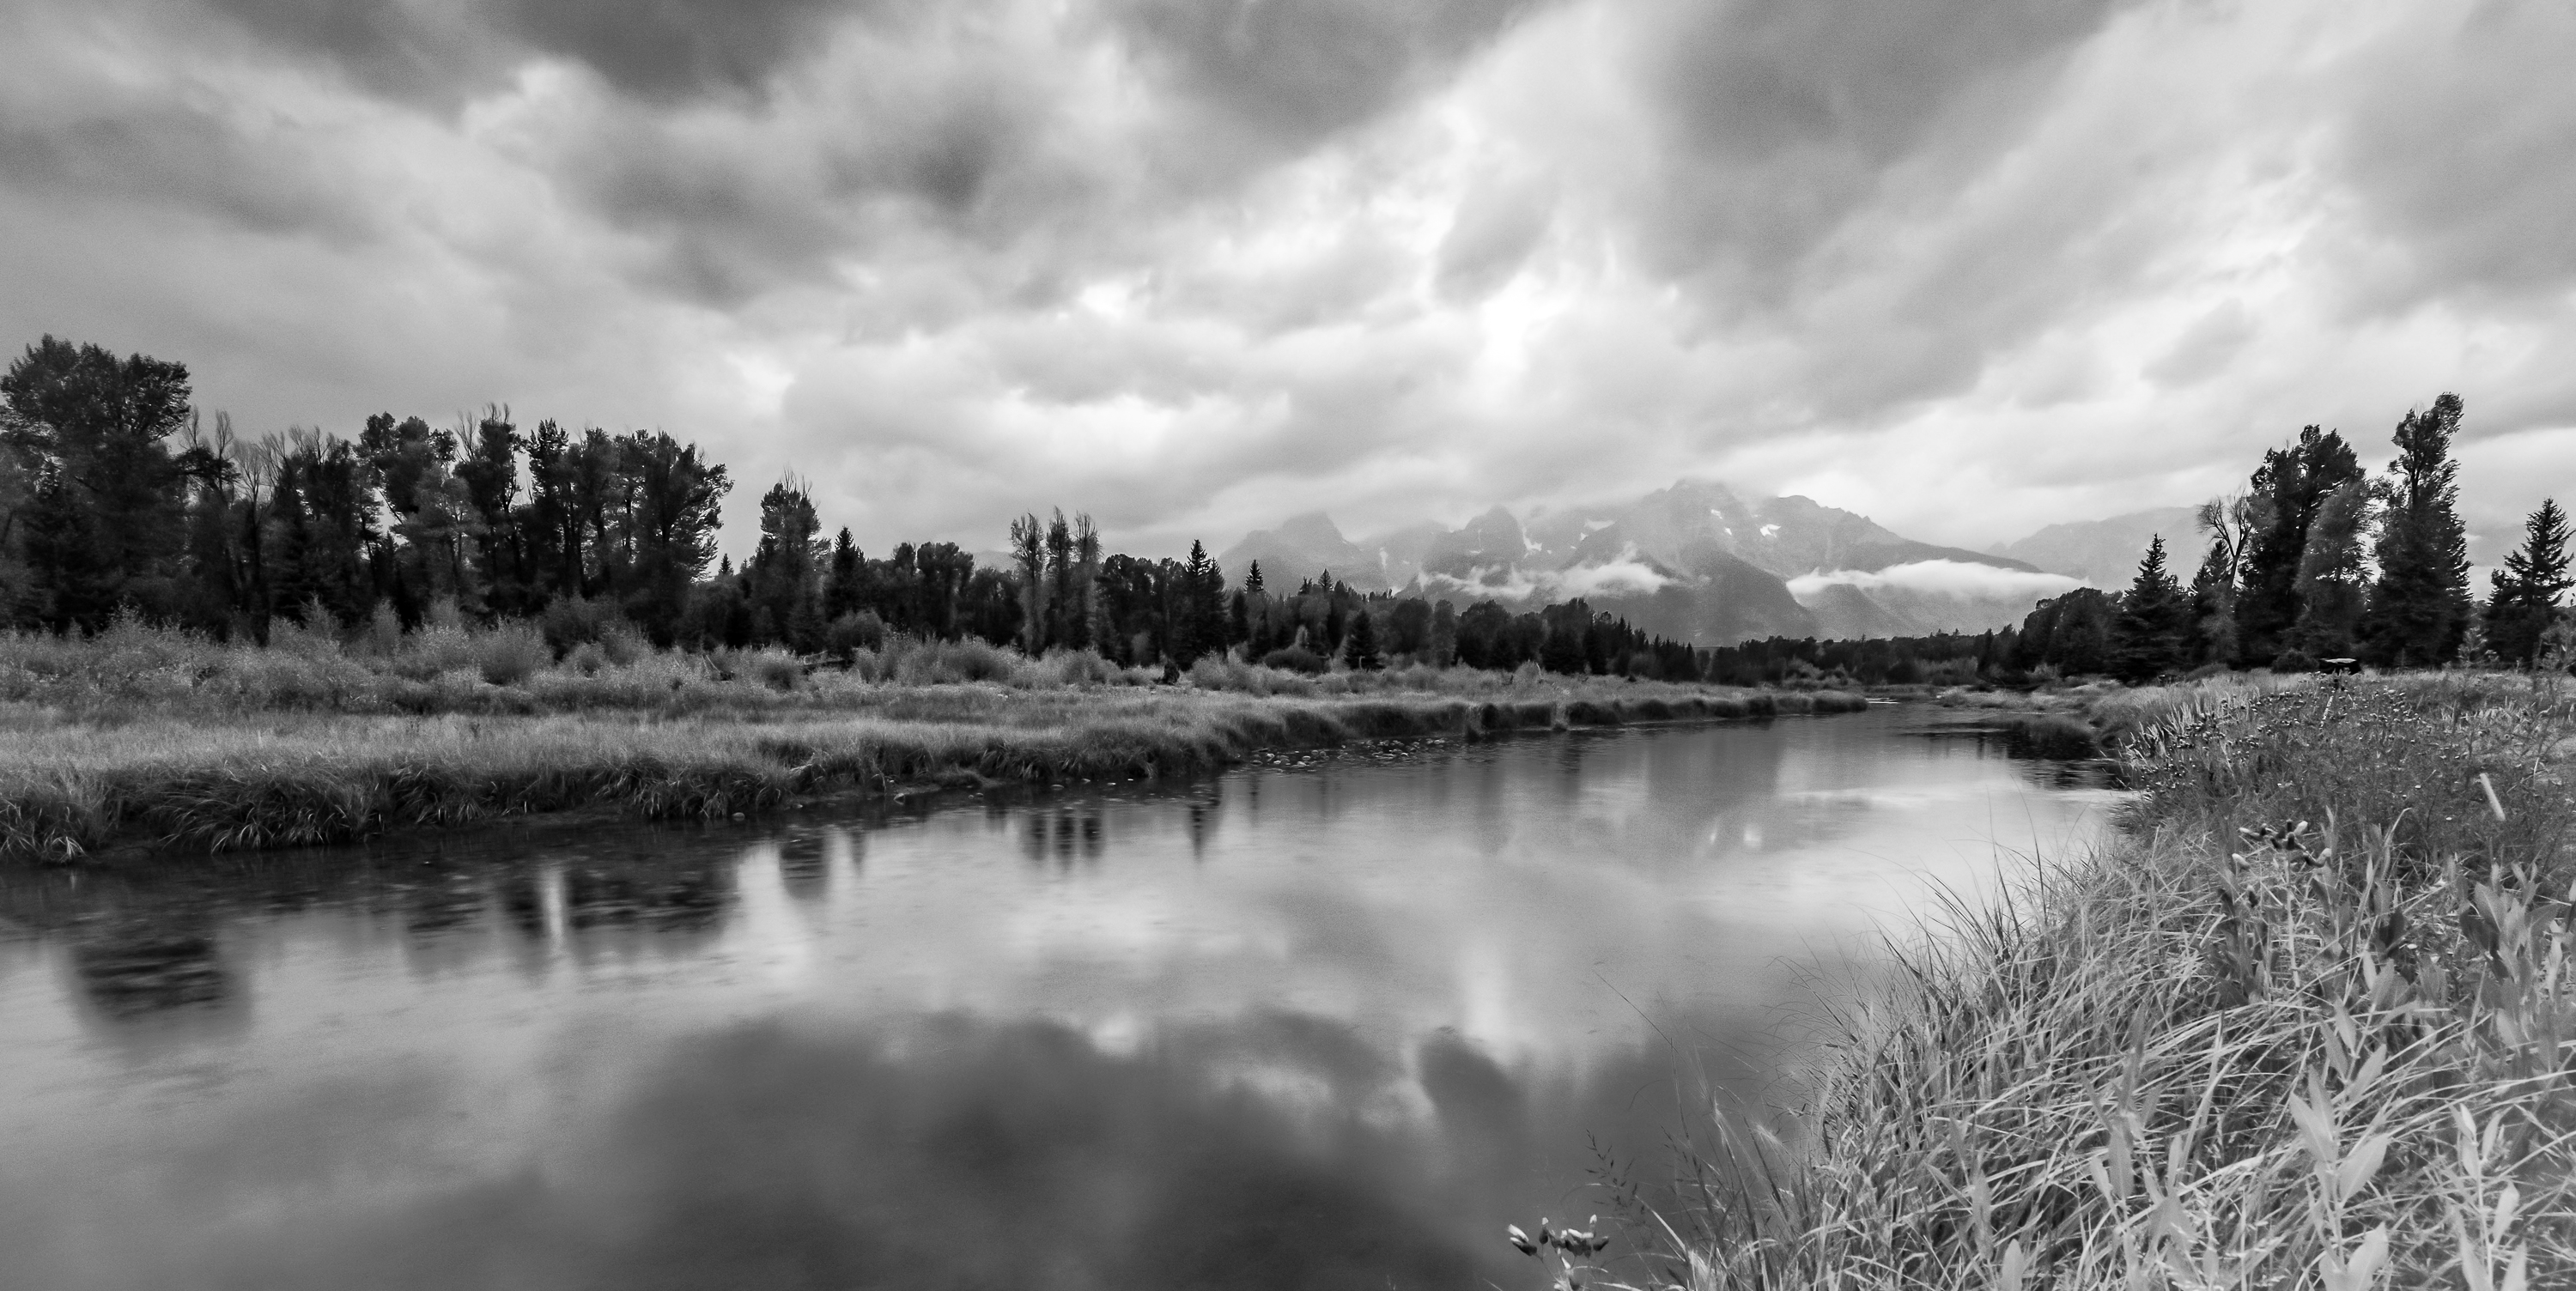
[
  {"x": 1698, "y": 563},
  {"x": 2106, "y": 553}
]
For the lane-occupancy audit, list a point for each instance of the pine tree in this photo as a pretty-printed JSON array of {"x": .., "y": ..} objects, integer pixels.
[
  {"x": 2524, "y": 601},
  {"x": 1360, "y": 645},
  {"x": 2419, "y": 608},
  {"x": 2149, "y": 635}
]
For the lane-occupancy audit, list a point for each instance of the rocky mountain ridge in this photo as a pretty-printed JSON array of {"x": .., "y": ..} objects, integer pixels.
[{"x": 1695, "y": 562}]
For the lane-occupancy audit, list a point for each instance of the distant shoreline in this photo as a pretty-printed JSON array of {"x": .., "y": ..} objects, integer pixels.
[{"x": 128, "y": 784}]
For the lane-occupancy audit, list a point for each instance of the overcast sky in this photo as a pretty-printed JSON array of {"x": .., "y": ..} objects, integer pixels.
[{"x": 1196, "y": 265}]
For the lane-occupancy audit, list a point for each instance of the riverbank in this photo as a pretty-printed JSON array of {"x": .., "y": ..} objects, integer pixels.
[
  {"x": 2306, "y": 1023},
  {"x": 78, "y": 780}
]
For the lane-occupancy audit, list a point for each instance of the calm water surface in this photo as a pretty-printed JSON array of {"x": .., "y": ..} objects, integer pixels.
[{"x": 1326, "y": 1022}]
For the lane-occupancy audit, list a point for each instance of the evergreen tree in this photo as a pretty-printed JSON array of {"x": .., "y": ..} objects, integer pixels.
[
  {"x": 2149, "y": 636},
  {"x": 1359, "y": 646},
  {"x": 2526, "y": 592},
  {"x": 2287, "y": 490},
  {"x": 2419, "y": 609},
  {"x": 844, "y": 581}
]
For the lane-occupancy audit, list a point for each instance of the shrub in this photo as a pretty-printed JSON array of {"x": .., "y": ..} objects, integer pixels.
[
  {"x": 774, "y": 668},
  {"x": 1296, "y": 658},
  {"x": 510, "y": 654},
  {"x": 2294, "y": 660},
  {"x": 624, "y": 643},
  {"x": 932, "y": 662},
  {"x": 851, "y": 633},
  {"x": 382, "y": 636},
  {"x": 574, "y": 621},
  {"x": 434, "y": 649},
  {"x": 1066, "y": 668}
]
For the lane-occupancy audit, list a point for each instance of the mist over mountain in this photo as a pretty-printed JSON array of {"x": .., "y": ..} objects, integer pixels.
[
  {"x": 2106, "y": 552},
  {"x": 1695, "y": 562}
]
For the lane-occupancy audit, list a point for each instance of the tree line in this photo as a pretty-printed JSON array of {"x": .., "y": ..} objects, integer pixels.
[
  {"x": 2317, "y": 561},
  {"x": 115, "y": 495}
]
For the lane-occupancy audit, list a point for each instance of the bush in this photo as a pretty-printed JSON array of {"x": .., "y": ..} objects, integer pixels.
[
  {"x": 2294, "y": 660},
  {"x": 575, "y": 621},
  {"x": 929, "y": 663},
  {"x": 851, "y": 633},
  {"x": 1066, "y": 668},
  {"x": 1296, "y": 659},
  {"x": 510, "y": 653},
  {"x": 774, "y": 668},
  {"x": 624, "y": 643},
  {"x": 435, "y": 649}
]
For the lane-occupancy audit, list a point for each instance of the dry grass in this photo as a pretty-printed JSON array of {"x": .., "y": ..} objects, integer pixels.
[
  {"x": 2307, "y": 1025},
  {"x": 148, "y": 737}
]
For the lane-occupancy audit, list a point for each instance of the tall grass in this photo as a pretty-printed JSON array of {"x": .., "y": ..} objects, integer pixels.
[
  {"x": 667, "y": 736},
  {"x": 2308, "y": 1024}
]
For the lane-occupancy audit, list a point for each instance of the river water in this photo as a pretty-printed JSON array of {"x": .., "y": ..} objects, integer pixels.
[{"x": 1324, "y": 1021}]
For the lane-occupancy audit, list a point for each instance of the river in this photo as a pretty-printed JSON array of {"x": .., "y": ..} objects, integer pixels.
[{"x": 1328, "y": 1020}]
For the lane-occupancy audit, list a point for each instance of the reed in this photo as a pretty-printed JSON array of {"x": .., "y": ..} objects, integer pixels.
[
  {"x": 2306, "y": 1024},
  {"x": 94, "y": 767}
]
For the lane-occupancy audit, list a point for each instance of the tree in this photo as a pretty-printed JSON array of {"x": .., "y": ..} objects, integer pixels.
[
  {"x": 2331, "y": 576},
  {"x": 677, "y": 496},
  {"x": 93, "y": 425},
  {"x": 2524, "y": 601},
  {"x": 2285, "y": 494},
  {"x": 1443, "y": 637},
  {"x": 1028, "y": 561},
  {"x": 786, "y": 568},
  {"x": 1360, "y": 646},
  {"x": 2148, "y": 636},
  {"x": 2419, "y": 608}
]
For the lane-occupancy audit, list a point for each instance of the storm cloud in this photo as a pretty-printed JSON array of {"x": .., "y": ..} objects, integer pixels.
[{"x": 1969, "y": 267}]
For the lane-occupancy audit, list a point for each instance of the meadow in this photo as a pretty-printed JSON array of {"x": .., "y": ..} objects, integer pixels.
[
  {"x": 2305, "y": 1023},
  {"x": 148, "y": 739}
]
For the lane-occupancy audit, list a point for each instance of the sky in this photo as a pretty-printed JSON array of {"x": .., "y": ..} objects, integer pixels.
[{"x": 1193, "y": 266}]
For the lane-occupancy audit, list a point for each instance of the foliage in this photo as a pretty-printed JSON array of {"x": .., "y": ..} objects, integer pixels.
[
  {"x": 2525, "y": 599},
  {"x": 2303, "y": 1026},
  {"x": 2149, "y": 634},
  {"x": 2419, "y": 608}
]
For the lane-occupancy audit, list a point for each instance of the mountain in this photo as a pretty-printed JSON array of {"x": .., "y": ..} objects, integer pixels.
[
  {"x": 2106, "y": 553},
  {"x": 1303, "y": 547},
  {"x": 1694, "y": 562}
]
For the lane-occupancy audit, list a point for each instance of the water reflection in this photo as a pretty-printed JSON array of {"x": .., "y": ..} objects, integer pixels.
[{"x": 1303, "y": 1026}]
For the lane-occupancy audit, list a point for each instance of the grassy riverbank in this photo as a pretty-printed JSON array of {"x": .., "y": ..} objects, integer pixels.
[
  {"x": 2306, "y": 1024},
  {"x": 148, "y": 739}
]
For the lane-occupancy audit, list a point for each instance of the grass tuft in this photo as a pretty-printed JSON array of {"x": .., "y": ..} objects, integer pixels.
[{"x": 2309, "y": 1023}]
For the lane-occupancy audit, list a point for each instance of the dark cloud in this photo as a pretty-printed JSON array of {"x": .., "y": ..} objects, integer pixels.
[
  {"x": 390, "y": 49},
  {"x": 171, "y": 156},
  {"x": 1291, "y": 72},
  {"x": 659, "y": 50},
  {"x": 2462, "y": 141},
  {"x": 1782, "y": 115},
  {"x": 674, "y": 49}
]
